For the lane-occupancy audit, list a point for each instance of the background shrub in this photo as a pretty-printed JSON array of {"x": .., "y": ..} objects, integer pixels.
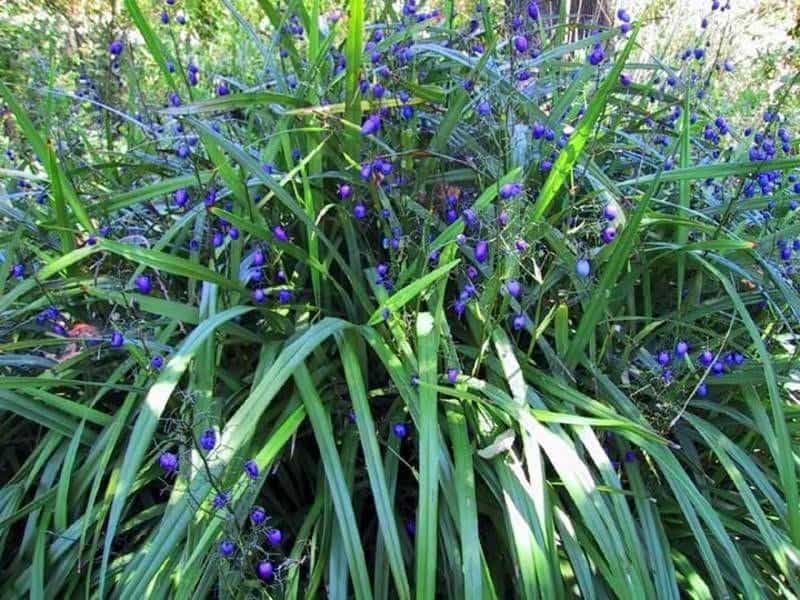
[{"x": 397, "y": 301}]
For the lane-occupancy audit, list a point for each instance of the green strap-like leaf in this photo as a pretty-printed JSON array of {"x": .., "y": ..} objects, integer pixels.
[
  {"x": 348, "y": 528},
  {"x": 568, "y": 157},
  {"x": 145, "y": 426},
  {"x": 428, "y": 345}
]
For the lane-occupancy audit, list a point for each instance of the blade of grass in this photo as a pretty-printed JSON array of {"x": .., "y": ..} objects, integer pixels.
[
  {"x": 374, "y": 464},
  {"x": 621, "y": 253},
  {"x": 154, "y": 44},
  {"x": 61, "y": 511},
  {"x": 167, "y": 262},
  {"x": 784, "y": 457},
  {"x": 353, "y": 51},
  {"x": 348, "y": 528},
  {"x": 684, "y": 199},
  {"x": 145, "y": 426},
  {"x": 715, "y": 171},
  {"x": 163, "y": 187},
  {"x": 237, "y": 433},
  {"x": 464, "y": 479},
  {"x": 428, "y": 345},
  {"x": 405, "y": 295},
  {"x": 568, "y": 157}
]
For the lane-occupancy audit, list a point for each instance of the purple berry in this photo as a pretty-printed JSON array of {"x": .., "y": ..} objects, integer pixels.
[
  {"x": 258, "y": 515},
  {"x": 143, "y": 284},
  {"x": 181, "y": 197},
  {"x": 117, "y": 339},
  {"x": 596, "y": 56},
  {"x": 411, "y": 527},
  {"x": 251, "y": 468},
  {"x": 345, "y": 191},
  {"x": 275, "y": 537},
  {"x": 221, "y": 500},
  {"x": 514, "y": 288},
  {"x": 227, "y": 548},
  {"x": 482, "y": 251},
  {"x": 609, "y": 234},
  {"x": 610, "y": 212},
  {"x": 371, "y": 125},
  {"x": 168, "y": 461},
  {"x": 265, "y": 570},
  {"x": 452, "y": 375},
  {"x": 115, "y": 47},
  {"x": 280, "y": 234},
  {"x": 400, "y": 431},
  {"x": 583, "y": 268},
  {"x": 208, "y": 440}
]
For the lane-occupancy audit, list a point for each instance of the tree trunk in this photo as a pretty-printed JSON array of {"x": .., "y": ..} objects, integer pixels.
[{"x": 588, "y": 11}]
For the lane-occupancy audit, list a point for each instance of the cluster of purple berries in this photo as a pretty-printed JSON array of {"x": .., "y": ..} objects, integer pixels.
[{"x": 169, "y": 462}]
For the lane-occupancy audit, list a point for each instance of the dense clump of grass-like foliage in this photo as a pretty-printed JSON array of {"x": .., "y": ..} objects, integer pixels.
[{"x": 406, "y": 302}]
